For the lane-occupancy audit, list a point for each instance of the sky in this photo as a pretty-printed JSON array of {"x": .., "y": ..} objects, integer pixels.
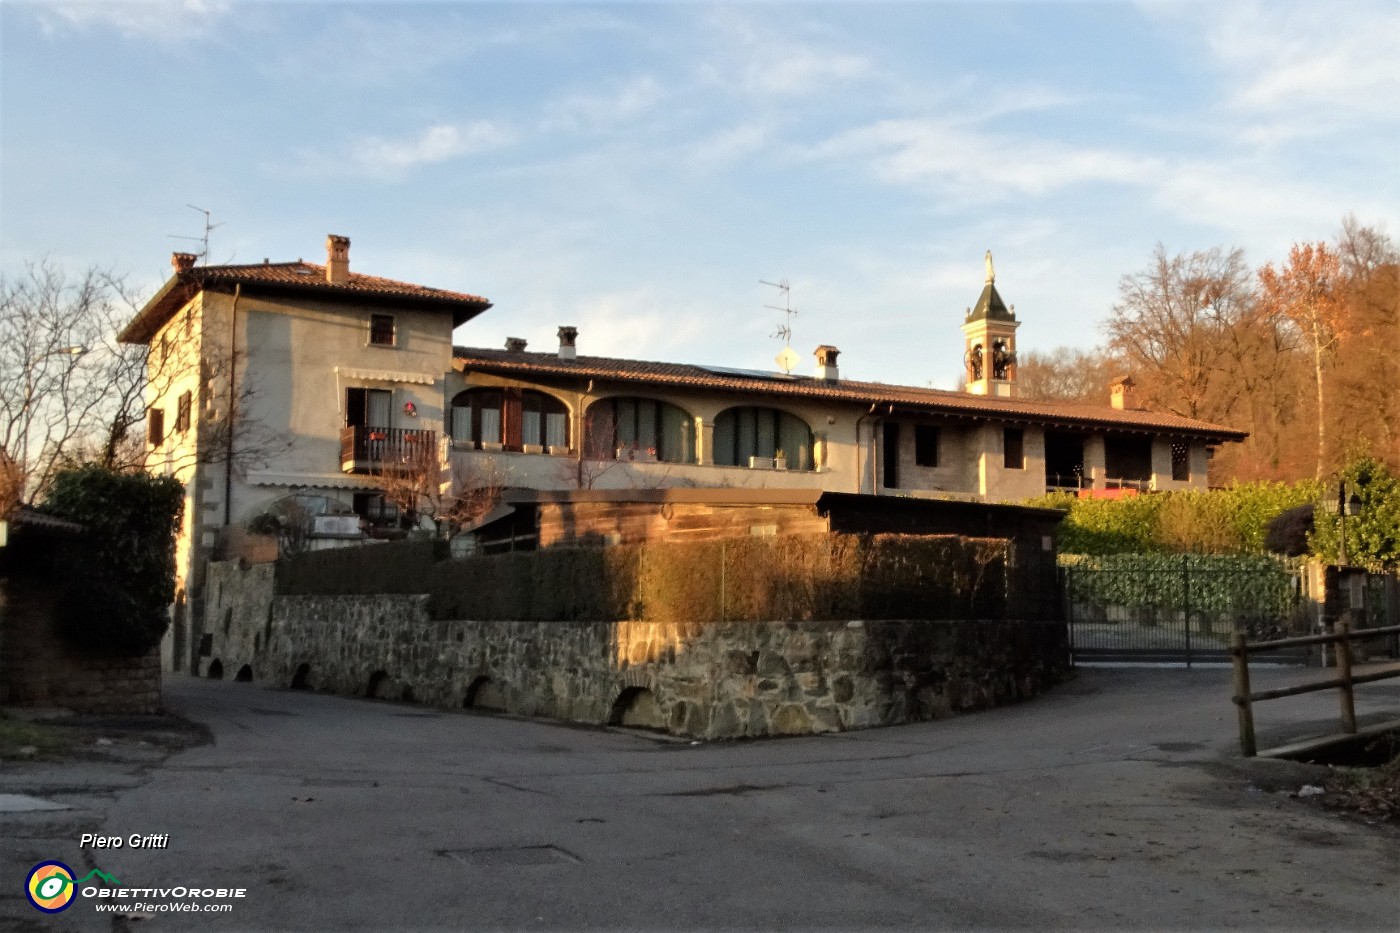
[{"x": 639, "y": 169}]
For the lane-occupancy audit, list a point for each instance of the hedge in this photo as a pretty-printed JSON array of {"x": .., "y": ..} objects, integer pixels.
[
  {"x": 744, "y": 579},
  {"x": 123, "y": 574}
]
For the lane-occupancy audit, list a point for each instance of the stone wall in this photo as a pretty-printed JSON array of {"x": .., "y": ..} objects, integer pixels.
[{"x": 706, "y": 680}]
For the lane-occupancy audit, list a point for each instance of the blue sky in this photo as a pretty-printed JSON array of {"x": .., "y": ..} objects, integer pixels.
[{"x": 637, "y": 169}]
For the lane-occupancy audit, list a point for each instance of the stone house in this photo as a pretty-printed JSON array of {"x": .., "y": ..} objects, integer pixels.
[{"x": 280, "y": 379}]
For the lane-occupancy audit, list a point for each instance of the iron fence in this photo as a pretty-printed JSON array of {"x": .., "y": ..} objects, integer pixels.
[{"x": 1170, "y": 611}]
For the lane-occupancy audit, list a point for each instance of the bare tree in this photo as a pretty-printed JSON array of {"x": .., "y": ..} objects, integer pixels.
[
  {"x": 68, "y": 391},
  {"x": 1307, "y": 290},
  {"x": 451, "y": 497},
  {"x": 1170, "y": 325},
  {"x": 1067, "y": 374}
]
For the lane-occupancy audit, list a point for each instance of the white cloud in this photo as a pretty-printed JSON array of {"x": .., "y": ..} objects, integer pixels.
[
  {"x": 156, "y": 20},
  {"x": 973, "y": 166},
  {"x": 769, "y": 62},
  {"x": 583, "y": 111},
  {"x": 440, "y": 143},
  {"x": 390, "y": 159}
]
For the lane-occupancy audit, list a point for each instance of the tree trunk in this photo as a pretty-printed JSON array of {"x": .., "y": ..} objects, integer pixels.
[{"x": 1321, "y": 414}]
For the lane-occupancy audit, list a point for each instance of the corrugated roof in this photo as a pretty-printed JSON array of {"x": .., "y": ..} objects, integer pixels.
[
  {"x": 294, "y": 277},
  {"x": 901, "y": 398}
]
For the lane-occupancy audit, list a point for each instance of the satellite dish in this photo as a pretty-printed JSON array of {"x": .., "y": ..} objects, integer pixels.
[{"x": 787, "y": 360}]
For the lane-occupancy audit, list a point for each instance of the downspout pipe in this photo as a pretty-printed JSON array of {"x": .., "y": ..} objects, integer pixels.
[{"x": 232, "y": 401}]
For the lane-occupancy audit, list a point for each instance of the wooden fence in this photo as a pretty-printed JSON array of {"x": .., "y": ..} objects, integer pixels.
[{"x": 1345, "y": 680}]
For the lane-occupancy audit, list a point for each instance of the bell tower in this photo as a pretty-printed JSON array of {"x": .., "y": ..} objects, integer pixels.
[{"x": 989, "y": 336}]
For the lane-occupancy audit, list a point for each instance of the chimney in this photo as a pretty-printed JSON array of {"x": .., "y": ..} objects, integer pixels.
[
  {"x": 568, "y": 334},
  {"x": 826, "y": 363},
  {"x": 515, "y": 344},
  {"x": 182, "y": 262},
  {"x": 1122, "y": 393},
  {"x": 337, "y": 259}
]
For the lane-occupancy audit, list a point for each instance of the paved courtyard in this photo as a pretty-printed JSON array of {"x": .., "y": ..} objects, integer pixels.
[{"x": 1113, "y": 803}]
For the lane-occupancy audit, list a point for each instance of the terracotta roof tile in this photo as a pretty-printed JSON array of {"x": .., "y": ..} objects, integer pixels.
[
  {"x": 777, "y": 385},
  {"x": 297, "y": 276}
]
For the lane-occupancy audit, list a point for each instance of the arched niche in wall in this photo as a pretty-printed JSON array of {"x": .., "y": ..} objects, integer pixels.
[{"x": 752, "y": 431}]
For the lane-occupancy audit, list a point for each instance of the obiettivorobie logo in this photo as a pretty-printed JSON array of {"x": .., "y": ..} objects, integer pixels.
[{"x": 51, "y": 886}]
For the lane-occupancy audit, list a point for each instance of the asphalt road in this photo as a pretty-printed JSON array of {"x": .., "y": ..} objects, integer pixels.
[{"x": 1113, "y": 803}]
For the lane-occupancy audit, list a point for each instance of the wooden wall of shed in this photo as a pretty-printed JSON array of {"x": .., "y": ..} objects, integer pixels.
[{"x": 594, "y": 523}]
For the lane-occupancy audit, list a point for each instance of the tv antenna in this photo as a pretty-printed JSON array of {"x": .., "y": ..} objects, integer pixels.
[
  {"x": 786, "y": 359},
  {"x": 203, "y": 241}
]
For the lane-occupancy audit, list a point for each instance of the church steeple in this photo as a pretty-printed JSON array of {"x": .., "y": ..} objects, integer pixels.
[{"x": 989, "y": 331}]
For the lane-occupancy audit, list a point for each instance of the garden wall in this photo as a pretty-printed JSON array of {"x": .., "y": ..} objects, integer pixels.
[{"x": 705, "y": 680}]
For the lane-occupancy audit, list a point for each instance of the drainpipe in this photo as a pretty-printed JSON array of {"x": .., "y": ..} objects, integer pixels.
[{"x": 232, "y": 398}]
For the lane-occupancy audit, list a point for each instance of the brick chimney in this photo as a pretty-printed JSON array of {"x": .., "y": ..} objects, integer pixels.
[
  {"x": 1122, "y": 393},
  {"x": 826, "y": 363},
  {"x": 337, "y": 259},
  {"x": 515, "y": 344},
  {"x": 568, "y": 335},
  {"x": 182, "y": 262}
]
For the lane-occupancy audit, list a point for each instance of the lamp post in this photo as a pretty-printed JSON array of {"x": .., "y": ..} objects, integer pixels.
[{"x": 1344, "y": 506}]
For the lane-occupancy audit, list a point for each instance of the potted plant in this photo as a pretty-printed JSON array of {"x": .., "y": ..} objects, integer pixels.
[{"x": 780, "y": 459}]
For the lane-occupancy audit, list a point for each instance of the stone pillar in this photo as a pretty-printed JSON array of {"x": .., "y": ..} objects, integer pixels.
[
  {"x": 1162, "y": 463},
  {"x": 1095, "y": 461},
  {"x": 704, "y": 442}
]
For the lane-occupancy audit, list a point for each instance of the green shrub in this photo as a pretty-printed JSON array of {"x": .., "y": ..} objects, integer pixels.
[
  {"x": 1373, "y": 534},
  {"x": 1233, "y": 520},
  {"x": 123, "y": 578}
]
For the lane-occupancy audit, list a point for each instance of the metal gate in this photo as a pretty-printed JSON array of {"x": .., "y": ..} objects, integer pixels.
[{"x": 1178, "y": 611}]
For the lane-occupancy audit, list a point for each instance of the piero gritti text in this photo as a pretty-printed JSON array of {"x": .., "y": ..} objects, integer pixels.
[{"x": 134, "y": 841}]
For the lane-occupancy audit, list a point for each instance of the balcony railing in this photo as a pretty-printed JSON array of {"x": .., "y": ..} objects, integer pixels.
[{"x": 369, "y": 450}]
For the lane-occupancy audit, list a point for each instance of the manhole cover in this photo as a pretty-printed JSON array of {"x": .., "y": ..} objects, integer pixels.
[{"x": 511, "y": 857}]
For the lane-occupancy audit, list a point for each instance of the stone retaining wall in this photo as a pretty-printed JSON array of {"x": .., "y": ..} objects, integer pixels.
[{"x": 712, "y": 680}]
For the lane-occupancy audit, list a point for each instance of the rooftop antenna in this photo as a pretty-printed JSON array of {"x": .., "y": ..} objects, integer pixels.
[
  {"x": 786, "y": 359},
  {"x": 202, "y": 240}
]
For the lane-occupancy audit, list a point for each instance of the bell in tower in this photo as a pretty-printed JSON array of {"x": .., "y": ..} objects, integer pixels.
[{"x": 989, "y": 334}]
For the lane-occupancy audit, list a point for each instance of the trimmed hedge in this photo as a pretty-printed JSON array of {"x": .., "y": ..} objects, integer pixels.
[
  {"x": 819, "y": 577},
  {"x": 1233, "y": 520},
  {"x": 1249, "y": 584}
]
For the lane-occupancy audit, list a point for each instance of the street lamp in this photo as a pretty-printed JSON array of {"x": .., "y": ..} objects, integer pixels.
[{"x": 1344, "y": 506}]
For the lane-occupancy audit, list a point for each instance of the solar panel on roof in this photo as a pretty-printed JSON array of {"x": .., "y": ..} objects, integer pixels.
[{"x": 749, "y": 373}]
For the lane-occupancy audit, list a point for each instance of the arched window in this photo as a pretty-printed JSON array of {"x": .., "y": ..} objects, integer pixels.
[
  {"x": 510, "y": 417},
  {"x": 640, "y": 429},
  {"x": 477, "y": 417},
  {"x": 748, "y": 431},
  {"x": 543, "y": 420}
]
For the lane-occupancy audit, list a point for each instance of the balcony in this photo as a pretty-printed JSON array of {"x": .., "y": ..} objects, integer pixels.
[{"x": 380, "y": 450}]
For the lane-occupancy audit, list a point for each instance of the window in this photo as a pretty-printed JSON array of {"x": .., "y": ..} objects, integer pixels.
[
  {"x": 155, "y": 426},
  {"x": 640, "y": 428},
  {"x": 510, "y": 417},
  {"x": 182, "y": 413},
  {"x": 543, "y": 420},
  {"x": 926, "y": 445},
  {"x": 741, "y": 433},
  {"x": 1013, "y": 448},
  {"x": 1181, "y": 461},
  {"x": 367, "y": 408},
  {"x": 381, "y": 330}
]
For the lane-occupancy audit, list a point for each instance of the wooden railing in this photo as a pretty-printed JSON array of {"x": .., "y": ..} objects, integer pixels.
[
  {"x": 363, "y": 449},
  {"x": 1342, "y": 637}
]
